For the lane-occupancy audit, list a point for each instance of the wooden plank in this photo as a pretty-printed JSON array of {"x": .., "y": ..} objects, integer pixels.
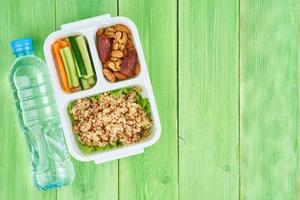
[
  {"x": 208, "y": 99},
  {"x": 19, "y": 19},
  {"x": 270, "y": 99},
  {"x": 153, "y": 174},
  {"x": 92, "y": 181}
]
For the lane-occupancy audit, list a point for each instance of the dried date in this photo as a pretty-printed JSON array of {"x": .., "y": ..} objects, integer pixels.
[
  {"x": 128, "y": 63},
  {"x": 104, "y": 48}
]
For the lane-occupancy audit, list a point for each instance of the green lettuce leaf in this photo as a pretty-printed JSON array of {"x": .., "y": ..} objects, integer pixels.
[{"x": 143, "y": 102}]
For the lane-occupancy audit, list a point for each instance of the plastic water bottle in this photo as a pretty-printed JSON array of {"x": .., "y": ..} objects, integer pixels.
[{"x": 38, "y": 117}]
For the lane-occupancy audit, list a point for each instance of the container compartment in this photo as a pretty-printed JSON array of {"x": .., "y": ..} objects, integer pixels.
[
  {"x": 73, "y": 62},
  {"x": 111, "y": 119},
  {"x": 117, "y": 53}
]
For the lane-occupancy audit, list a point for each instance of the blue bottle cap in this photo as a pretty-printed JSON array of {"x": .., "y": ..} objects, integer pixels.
[{"x": 20, "y": 45}]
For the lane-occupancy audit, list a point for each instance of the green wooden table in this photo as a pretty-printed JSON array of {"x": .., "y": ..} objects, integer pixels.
[{"x": 226, "y": 78}]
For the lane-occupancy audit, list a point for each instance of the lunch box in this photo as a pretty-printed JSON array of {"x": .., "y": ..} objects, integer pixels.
[{"x": 88, "y": 28}]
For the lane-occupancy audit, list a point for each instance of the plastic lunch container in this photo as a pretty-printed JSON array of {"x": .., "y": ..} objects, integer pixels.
[{"x": 88, "y": 28}]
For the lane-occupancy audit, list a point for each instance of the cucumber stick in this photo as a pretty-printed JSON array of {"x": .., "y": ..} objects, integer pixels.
[
  {"x": 92, "y": 81},
  {"x": 70, "y": 66},
  {"x": 84, "y": 83},
  {"x": 77, "y": 56},
  {"x": 85, "y": 55},
  {"x": 87, "y": 83},
  {"x": 66, "y": 67}
]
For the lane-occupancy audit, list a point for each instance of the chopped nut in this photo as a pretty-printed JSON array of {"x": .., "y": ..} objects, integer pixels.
[
  {"x": 110, "y": 34},
  {"x": 111, "y": 29},
  {"x": 113, "y": 66},
  {"x": 100, "y": 32},
  {"x": 115, "y": 46},
  {"x": 137, "y": 69},
  {"x": 118, "y": 65},
  {"x": 109, "y": 75},
  {"x": 118, "y": 35},
  {"x": 124, "y": 38},
  {"x": 122, "y": 47},
  {"x": 120, "y": 76},
  {"x": 117, "y": 54},
  {"x": 114, "y": 58},
  {"x": 122, "y": 28},
  {"x": 118, "y": 62}
]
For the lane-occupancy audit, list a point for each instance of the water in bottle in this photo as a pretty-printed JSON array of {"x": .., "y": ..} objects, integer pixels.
[{"x": 38, "y": 117}]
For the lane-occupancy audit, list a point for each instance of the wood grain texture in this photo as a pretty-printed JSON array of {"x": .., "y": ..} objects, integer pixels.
[
  {"x": 208, "y": 100},
  {"x": 19, "y": 19},
  {"x": 270, "y": 99},
  {"x": 153, "y": 174},
  {"x": 92, "y": 181},
  {"x": 198, "y": 90}
]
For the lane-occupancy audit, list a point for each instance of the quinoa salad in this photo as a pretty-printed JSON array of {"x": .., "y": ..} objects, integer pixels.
[{"x": 111, "y": 119}]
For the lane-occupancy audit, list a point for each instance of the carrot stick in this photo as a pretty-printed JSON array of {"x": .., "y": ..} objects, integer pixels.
[
  {"x": 60, "y": 66},
  {"x": 63, "y": 43}
]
